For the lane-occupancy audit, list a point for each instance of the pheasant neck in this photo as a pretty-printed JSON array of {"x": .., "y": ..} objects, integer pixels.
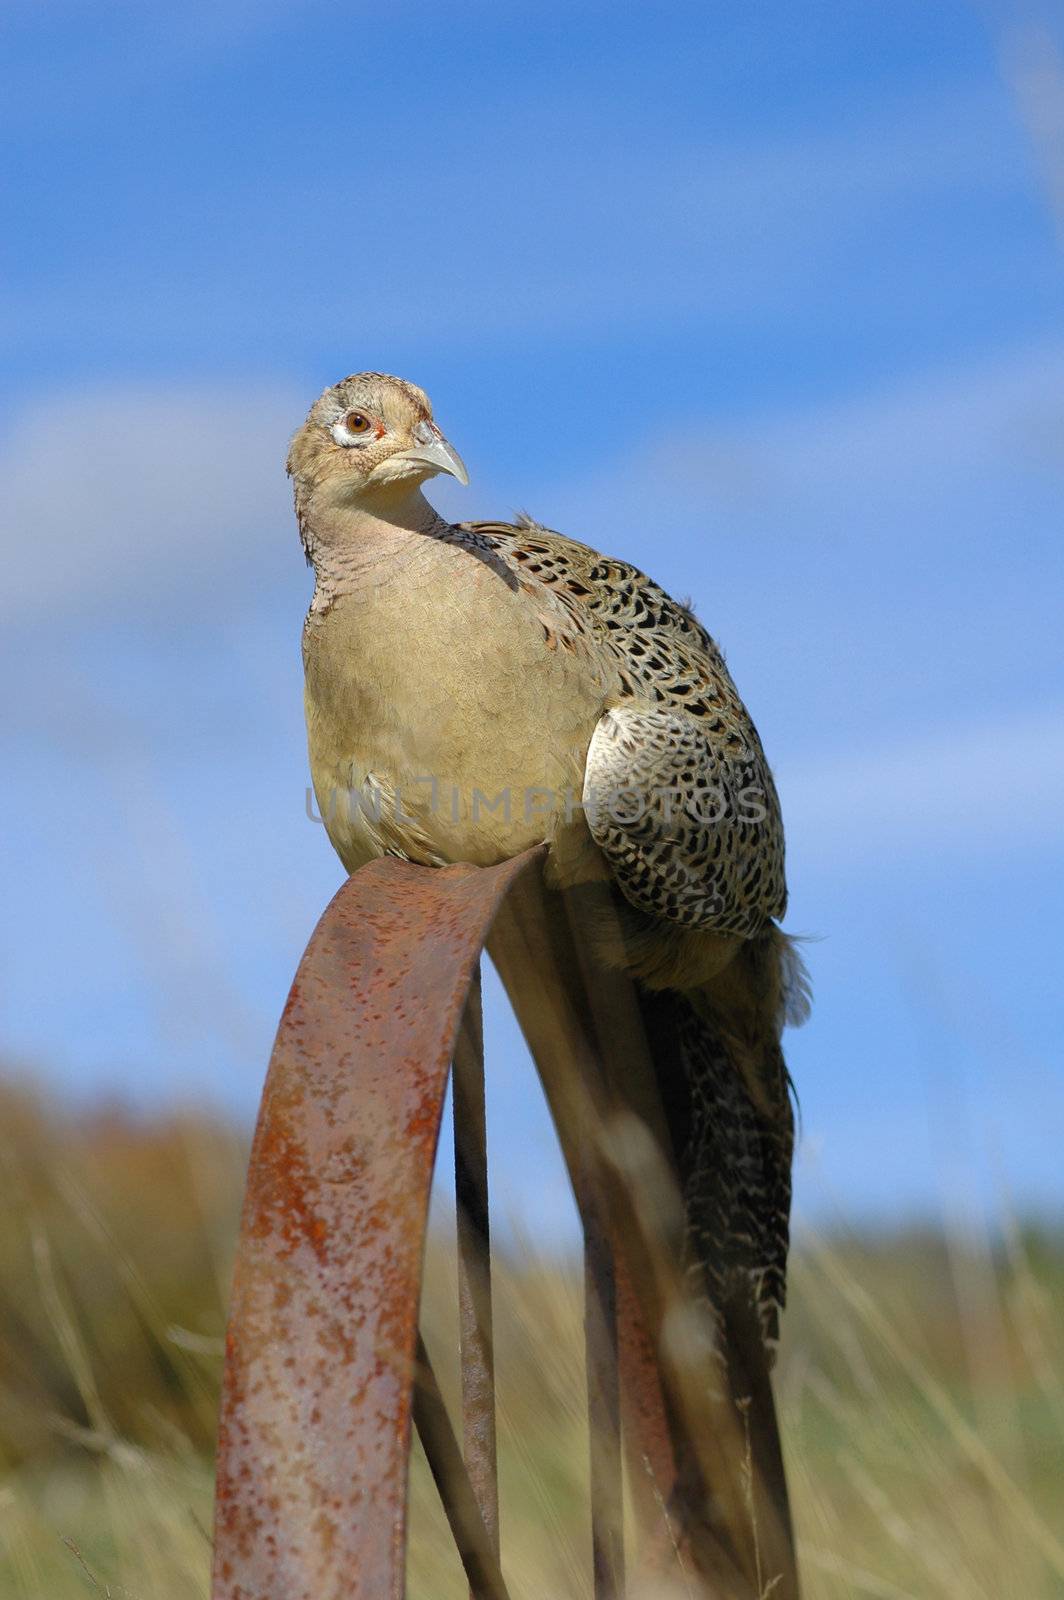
[{"x": 352, "y": 546}]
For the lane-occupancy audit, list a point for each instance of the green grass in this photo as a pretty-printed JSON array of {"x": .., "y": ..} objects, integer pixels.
[{"x": 921, "y": 1388}]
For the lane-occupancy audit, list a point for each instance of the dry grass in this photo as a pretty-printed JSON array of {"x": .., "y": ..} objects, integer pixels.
[{"x": 922, "y": 1389}]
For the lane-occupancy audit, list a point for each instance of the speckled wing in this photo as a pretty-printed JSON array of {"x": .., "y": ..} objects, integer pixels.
[
  {"x": 677, "y": 791},
  {"x": 689, "y": 824}
]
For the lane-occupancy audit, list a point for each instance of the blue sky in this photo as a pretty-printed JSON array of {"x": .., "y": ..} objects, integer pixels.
[{"x": 767, "y": 299}]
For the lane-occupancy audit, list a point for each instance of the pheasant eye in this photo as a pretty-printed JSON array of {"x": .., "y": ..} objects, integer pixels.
[{"x": 357, "y": 422}]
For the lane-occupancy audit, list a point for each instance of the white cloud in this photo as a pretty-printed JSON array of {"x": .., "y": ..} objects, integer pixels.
[
  {"x": 118, "y": 493},
  {"x": 902, "y": 448},
  {"x": 998, "y": 785}
]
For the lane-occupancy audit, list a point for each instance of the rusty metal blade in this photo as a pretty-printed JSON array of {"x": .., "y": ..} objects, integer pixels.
[
  {"x": 316, "y": 1408},
  {"x": 601, "y": 1091},
  {"x": 474, "y": 1264}
]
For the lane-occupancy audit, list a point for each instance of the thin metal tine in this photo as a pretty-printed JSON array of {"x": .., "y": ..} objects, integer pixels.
[
  {"x": 474, "y": 1264},
  {"x": 452, "y": 1480},
  {"x": 603, "y": 1409}
]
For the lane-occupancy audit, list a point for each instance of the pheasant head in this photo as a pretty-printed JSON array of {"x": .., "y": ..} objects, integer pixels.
[{"x": 368, "y": 440}]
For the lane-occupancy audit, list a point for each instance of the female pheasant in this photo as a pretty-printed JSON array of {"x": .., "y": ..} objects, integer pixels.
[{"x": 476, "y": 689}]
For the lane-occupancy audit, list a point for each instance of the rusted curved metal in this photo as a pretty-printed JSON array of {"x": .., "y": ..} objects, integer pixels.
[
  {"x": 320, "y": 1352},
  {"x": 702, "y": 1432},
  {"x": 324, "y": 1366}
]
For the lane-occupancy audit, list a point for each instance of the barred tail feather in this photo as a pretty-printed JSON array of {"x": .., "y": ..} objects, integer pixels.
[{"x": 725, "y": 1087}]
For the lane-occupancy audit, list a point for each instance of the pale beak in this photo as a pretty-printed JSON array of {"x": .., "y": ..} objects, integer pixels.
[{"x": 431, "y": 451}]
